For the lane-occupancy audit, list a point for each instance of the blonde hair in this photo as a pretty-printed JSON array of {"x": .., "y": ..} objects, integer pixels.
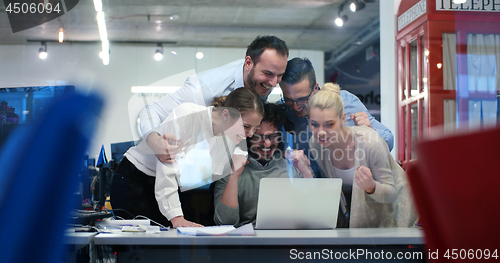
[{"x": 328, "y": 98}]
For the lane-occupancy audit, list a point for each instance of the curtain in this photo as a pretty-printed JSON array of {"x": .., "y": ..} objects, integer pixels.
[
  {"x": 449, "y": 116},
  {"x": 483, "y": 58},
  {"x": 449, "y": 80},
  {"x": 449, "y": 62}
]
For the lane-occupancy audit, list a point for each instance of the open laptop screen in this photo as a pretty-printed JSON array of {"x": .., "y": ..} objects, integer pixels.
[{"x": 298, "y": 203}]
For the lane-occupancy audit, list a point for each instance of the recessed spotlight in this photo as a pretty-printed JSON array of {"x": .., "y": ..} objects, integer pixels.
[
  {"x": 159, "y": 53},
  {"x": 356, "y": 6},
  {"x": 199, "y": 55},
  {"x": 174, "y": 53},
  {"x": 61, "y": 35},
  {"x": 42, "y": 52},
  {"x": 174, "y": 17},
  {"x": 340, "y": 20}
]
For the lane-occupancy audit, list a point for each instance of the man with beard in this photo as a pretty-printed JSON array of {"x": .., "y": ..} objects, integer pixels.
[
  {"x": 235, "y": 196},
  {"x": 261, "y": 70}
]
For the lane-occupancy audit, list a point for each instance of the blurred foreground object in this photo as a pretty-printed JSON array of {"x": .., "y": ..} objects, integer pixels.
[
  {"x": 39, "y": 174},
  {"x": 455, "y": 184}
]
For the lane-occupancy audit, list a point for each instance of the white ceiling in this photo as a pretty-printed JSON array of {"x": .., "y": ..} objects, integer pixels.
[{"x": 303, "y": 24}]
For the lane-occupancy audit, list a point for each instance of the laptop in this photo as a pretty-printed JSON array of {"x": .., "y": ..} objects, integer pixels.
[{"x": 298, "y": 203}]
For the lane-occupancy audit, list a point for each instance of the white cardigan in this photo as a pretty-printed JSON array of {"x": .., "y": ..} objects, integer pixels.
[{"x": 391, "y": 204}]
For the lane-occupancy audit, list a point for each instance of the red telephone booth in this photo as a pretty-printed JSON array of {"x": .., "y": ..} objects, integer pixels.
[{"x": 448, "y": 68}]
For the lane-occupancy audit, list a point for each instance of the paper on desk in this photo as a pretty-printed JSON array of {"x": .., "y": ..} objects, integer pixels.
[{"x": 225, "y": 230}]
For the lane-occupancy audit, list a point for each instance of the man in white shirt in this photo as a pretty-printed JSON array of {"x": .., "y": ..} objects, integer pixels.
[{"x": 261, "y": 70}]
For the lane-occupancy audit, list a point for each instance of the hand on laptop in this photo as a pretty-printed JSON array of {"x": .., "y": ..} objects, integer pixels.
[{"x": 364, "y": 178}]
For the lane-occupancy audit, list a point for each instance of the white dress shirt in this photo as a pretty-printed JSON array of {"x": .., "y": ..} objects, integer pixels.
[{"x": 199, "y": 89}]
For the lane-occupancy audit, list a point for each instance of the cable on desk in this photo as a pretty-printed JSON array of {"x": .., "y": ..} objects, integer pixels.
[
  {"x": 158, "y": 224},
  {"x": 119, "y": 209},
  {"x": 134, "y": 217}
]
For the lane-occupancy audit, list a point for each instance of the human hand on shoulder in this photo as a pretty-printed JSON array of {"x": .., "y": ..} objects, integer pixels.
[
  {"x": 361, "y": 119},
  {"x": 179, "y": 221},
  {"x": 165, "y": 147},
  {"x": 364, "y": 178}
]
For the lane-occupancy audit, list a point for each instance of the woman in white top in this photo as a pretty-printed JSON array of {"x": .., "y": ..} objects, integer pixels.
[
  {"x": 143, "y": 185},
  {"x": 375, "y": 189}
]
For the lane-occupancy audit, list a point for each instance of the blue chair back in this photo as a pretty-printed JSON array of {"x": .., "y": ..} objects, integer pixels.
[{"x": 39, "y": 168}]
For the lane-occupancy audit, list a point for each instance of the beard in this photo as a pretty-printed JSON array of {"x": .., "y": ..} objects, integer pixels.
[{"x": 250, "y": 80}]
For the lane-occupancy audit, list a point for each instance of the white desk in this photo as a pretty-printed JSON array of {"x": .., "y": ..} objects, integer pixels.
[
  {"x": 78, "y": 241},
  {"x": 265, "y": 246},
  {"x": 361, "y": 236}
]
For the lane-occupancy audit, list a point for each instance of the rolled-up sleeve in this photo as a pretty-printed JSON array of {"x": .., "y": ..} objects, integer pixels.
[{"x": 352, "y": 104}]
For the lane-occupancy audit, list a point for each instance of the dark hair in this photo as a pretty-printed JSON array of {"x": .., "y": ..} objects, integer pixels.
[
  {"x": 242, "y": 99},
  {"x": 298, "y": 69},
  {"x": 261, "y": 43},
  {"x": 276, "y": 115}
]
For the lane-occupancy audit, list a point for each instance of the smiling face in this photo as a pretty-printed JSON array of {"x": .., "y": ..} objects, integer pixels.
[
  {"x": 325, "y": 125},
  {"x": 297, "y": 95},
  {"x": 250, "y": 122},
  {"x": 264, "y": 142},
  {"x": 266, "y": 73},
  {"x": 235, "y": 132},
  {"x": 243, "y": 127}
]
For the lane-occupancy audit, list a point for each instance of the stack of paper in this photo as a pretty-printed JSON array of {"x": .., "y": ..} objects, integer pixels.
[{"x": 225, "y": 230}]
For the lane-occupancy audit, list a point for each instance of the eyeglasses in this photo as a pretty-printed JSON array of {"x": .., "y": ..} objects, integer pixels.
[
  {"x": 261, "y": 137},
  {"x": 300, "y": 101}
]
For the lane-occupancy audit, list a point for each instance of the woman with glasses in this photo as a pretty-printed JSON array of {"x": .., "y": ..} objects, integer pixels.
[
  {"x": 375, "y": 189},
  {"x": 236, "y": 195},
  {"x": 207, "y": 139}
]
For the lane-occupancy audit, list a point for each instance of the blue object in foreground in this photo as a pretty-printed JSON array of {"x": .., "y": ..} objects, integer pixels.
[{"x": 39, "y": 165}]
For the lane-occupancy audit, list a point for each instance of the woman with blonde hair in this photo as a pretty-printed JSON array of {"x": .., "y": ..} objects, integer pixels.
[{"x": 375, "y": 192}]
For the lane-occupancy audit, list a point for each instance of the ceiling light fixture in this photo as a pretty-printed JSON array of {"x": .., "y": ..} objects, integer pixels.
[
  {"x": 42, "y": 52},
  {"x": 61, "y": 35},
  {"x": 103, "y": 33},
  {"x": 154, "y": 89},
  {"x": 356, "y": 5},
  {"x": 340, "y": 20},
  {"x": 199, "y": 55},
  {"x": 98, "y": 5},
  {"x": 105, "y": 52},
  {"x": 174, "y": 17},
  {"x": 159, "y": 52}
]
